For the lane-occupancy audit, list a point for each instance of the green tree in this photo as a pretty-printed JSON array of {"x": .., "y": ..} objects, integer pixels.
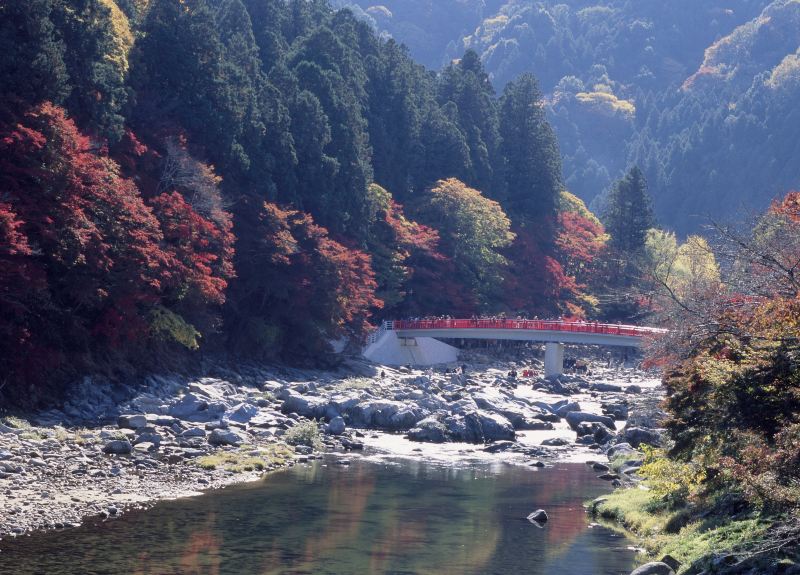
[
  {"x": 183, "y": 73},
  {"x": 99, "y": 38},
  {"x": 321, "y": 64},
  {"x": 473, "y": 230},
  {"x": 467, "y": 85},
  {"x": 532, "y": 164},
  {"x": 32, "y": 65},
  {"x": 629, "y": 214},
  {"x": 445, "y": 152}
]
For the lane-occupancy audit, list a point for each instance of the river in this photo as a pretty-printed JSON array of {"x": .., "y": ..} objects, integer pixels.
[{"x": 392, "y": 516}]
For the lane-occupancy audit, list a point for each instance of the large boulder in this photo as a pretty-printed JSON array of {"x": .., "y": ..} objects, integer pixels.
[
  {"x": 637, "y": 436},
  {"x": 225, "y": 437},
  {"x": 311, "y": 407},
  {"x": 341, "y": 405},
  {"x": 134, "y": 421},
  {"x": 457, "y": 428},
  {"x": 607, "y": 387},
  {"x": 242, "y": 413},
  {"x": 479, "y": 427},
  {"x": 406, "y": 418},
  {"x": 575, "y": 418},
  {"x": 538, "y": 516},
  {"x": 429, "y": 430},
  {"x": 532, "y": 425},
  {"x": 462, "y": 406},
  {"x": 619, "y": 411},
  {"x": 555, "y": 442},
  {"x": 392, "y": 415},
  {"x": 187, "y": 406},
  {"x": 473, "y": 429},
  {"x": 213, "y": 389},
  {"x": 118, "y": 447},
  {"x": 620, "y": 449},
  {"x": 148, "y": 437},
  {"x": 596, "y": 430},
  {"x": 654, "y": 568},
  {"x": 336, "y": 426},
  {"x": 495, "y": 427},
  {"x": 562, "y": 408},
  {"x": 193, "y": 432}
]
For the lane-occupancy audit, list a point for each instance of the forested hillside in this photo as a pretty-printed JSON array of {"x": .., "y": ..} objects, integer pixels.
[
  {"x": 696, "y": 92},
  {"x": 259, "y": 177}
]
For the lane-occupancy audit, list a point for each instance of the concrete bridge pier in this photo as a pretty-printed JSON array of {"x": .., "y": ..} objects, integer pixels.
[
  {"x": 553, "y": 359},
  {"x": 389, "y": 349}
]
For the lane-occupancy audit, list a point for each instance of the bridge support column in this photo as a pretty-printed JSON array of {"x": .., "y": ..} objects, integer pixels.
[{"x": 553, "y": 359}]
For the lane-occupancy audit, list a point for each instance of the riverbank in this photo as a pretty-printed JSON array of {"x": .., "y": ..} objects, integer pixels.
[
  {"x": 700, "y": 532},
  {"x": 106, "y": 452}
]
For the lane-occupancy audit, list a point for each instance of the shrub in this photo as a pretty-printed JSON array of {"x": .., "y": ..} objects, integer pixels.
[{"x": 304, "y": 433}]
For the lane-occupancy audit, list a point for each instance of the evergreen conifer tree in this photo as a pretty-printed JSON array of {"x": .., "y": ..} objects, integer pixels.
[
  {"x": 32, "y": 65},
  {"x": 629, "y": 213},
  {"x": 532, "y": 164},
  {"x": 467, "y": 85}
]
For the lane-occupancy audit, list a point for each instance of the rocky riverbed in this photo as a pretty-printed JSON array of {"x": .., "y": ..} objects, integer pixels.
[{"x": 109, "y": 449}]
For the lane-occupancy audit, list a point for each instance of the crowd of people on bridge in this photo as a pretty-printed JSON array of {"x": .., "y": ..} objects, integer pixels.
[{"x": 499, "y": 317}]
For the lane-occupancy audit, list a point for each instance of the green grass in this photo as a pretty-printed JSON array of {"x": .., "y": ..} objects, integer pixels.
[
  {"x": 243, "y": 459},
  {"x": 679, "y": 531},
  {"x": 17, "y": 422},
  {"x": 634, "y": 510},
  {"x": 356, "y": 383},
  {"x": 28, "y": 431}
]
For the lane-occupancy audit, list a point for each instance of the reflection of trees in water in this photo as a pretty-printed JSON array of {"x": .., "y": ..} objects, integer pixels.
[
  {"x": 377, "y": 522},
  {"x": 370, "y": 518},
  {"x": 201, "y": 552}
]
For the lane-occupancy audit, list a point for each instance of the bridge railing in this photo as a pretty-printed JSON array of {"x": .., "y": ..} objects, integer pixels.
[
  {"x": 376, "y": 334},
  {"x": 523, "y": 324}
]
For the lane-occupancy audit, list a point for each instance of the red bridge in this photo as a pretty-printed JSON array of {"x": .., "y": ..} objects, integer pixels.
[
  {"x": 523, "y": 324},
  {"x": 415, "y": 341}
]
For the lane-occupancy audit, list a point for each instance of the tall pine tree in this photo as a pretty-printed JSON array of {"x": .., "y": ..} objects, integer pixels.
[
  {"x": 32, "y": 65},
  {"x": 467, "y": 85},
  {"x": 532, "y": 164},
  {"x": 629, "y": 213}
]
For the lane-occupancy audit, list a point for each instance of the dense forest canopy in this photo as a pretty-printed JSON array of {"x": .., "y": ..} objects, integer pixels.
[
  {"x": 698, "y": 93},
  {"x": 261, "y": 177}
]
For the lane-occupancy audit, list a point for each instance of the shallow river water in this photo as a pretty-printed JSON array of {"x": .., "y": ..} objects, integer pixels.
[{"x": 392, "y": 516}]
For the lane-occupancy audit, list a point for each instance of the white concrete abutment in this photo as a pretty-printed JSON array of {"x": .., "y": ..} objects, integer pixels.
[
  {"x": 553, "y": 359},
  {"x": 390, "y": 349}
]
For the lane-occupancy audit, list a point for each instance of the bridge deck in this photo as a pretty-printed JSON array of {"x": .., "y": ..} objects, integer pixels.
[
  {"x": 529, "y": 330},
  {"x": 526, "y": 324}
]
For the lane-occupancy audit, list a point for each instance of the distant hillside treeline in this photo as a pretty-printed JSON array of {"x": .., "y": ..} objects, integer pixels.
[
  {"x": 697, "y": 92},
  {"x": 261, "y": 177}
]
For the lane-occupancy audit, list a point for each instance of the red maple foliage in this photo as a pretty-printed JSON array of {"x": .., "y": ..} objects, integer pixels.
[
  {"x": 93, "y": 234},
  {"x": 81, "y": 233},
  {"x": 578, "y": 244},
  {"x": 788, "y": 206},
  {"x": 410, "y": 235},
  {"x": 413, "y": 277},
  {"x": 200, "y": 251},
  {"x": 536, "y": 282},
  {"x": 298, "y": 288}
]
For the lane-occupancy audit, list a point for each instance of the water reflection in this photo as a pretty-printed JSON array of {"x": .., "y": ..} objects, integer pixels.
[{"x": 402, "y": 518}]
